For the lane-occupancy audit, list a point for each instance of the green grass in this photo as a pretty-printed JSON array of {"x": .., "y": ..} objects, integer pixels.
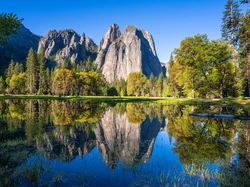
[
  {"x": 83, "y": 98},
  {"x": 163, "y": 100}
]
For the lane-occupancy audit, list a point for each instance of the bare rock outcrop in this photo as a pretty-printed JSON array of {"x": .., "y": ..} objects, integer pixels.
[
  {"x": 67, "y": 44},
  {"x": 133, "y": 51}
]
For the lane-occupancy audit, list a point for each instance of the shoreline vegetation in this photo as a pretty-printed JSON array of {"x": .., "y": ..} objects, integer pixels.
[{"x": 168, "y": 100}]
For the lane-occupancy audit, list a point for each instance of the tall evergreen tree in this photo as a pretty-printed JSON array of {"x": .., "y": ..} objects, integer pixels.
[
  {"x": 230, "y": 24},
  {"x": 245, "y": 48},
  {"x": 2, "y": 85},
  {"x": 18, "y": 68},
  {"x": 9, "y": 72},
  {"x": 48, "y": 81},
  {"x": 159, "y": 85},
  {"x": 42, "y": 71},
  {"x": 151, "y": 84},
  {"x": 31, "y": 70}
]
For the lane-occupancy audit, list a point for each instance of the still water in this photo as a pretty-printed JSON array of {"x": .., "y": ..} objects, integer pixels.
[{"x": 66, "y": 143}]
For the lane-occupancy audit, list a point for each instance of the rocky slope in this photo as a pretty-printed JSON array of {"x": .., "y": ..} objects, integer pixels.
[
  {"x": 17, "y": 47},
  {"x": 67, "y": 44},
  {"x": 133, "y": 51}
]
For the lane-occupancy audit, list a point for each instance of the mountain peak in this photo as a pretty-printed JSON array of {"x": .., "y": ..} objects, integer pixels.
[{"x": 132, "y": 51}]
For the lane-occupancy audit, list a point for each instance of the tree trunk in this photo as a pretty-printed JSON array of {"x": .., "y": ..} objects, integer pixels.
[{"x": 221, "y": 90}]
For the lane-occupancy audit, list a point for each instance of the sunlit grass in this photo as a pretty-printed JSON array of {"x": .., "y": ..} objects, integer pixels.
[{"x": 163, "y": 100}]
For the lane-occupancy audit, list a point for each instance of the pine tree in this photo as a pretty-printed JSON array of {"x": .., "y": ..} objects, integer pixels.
[
  {"x": 151, "y": 84},
  {"x": 42, "y": 71},
  {"x": 159, "y": 85},
  {"x": 48, "y": 81},
  {"x": 230, "y": 24},
  {"x": 31, "y": 70},
  {"x": 2, "y": 85},
  {"x": 18, "y": 68},
  {"x": 245, "y": 47},
  {"x": 9, "y": 72}
]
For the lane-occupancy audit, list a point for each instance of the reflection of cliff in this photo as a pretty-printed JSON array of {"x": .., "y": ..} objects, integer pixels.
[
  {"x": 65, "y": 143},
  {"x": 119, "y": 139}
]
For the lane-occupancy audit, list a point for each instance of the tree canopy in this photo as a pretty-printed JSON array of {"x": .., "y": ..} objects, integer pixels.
[
  {"x": 9, "y": 24},
  {"x": 202, "y": 68}
]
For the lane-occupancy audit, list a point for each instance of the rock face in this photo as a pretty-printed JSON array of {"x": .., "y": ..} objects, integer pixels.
[
  {"x": 17, "y": 47},
  {"x": 133, "y": 51},
  {"x": 67, "y": 44},
  {"x": 164, "y": 69}
]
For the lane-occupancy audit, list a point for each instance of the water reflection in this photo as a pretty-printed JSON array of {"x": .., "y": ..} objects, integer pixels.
[
  {"x": 211, "y": 151},
  {"x": 119, "y": 138}
]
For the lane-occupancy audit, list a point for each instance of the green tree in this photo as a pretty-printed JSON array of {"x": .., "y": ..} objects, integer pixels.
[
  {"x": 151, "y": 85},
  {"x": 10, "y": 70},
  {"x": 31, "y": 71},
  {"x": 120, "y": 86},
  {"x": 18, "y": 68},
  {"x": 244, "y": 34},
  {"x": 89, "y": 83},
  {"x": 220, "y": 78},
  {"x": 112, "y": 91},
  {"x": 135, "y": 83},
  {"x": 66, "y": 64},
  {"x": 42, "y": 71},
  {"x": 9, "y": 24},
  {"x": 190, "y": 60},
  {"x": 159, "y": 85},
  {"x": 2, "y": 85},
  {"x": 90, "y": 66},
  {"x": 230, "y": 24},
  {"x": 63, "y": 82},
  {"x": 203, "y": 68},
  {"x": 18, "y": 83},
  {"x": 172, "y": 81}
]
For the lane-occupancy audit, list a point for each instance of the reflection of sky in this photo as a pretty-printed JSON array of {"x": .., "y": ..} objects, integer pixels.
[{"x": 92, "y": 170}]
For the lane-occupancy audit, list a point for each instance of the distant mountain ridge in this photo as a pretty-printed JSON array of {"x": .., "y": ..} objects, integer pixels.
[
  {"x": 17, "y": 47},
  {"x": 117, "y": 55}
]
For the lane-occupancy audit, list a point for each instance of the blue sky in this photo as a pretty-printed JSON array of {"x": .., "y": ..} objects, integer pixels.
[{"x": 169, "y": 21}]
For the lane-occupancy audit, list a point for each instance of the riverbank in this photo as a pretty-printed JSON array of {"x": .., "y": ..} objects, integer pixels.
[{"x": 166, "y": 100}]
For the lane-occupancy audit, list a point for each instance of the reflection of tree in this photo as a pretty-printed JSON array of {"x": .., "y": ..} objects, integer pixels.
[
  {"x": 237, "y": 173},
  {"x": 199, "y": 141},
  {"x": 90, "y": 113},
  {"x": 135, "y": 113},
  {"x": 17, "y": 109},
  {"x": 65, "y": 112}
]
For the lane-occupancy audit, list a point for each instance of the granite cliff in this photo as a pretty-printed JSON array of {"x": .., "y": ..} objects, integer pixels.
[
  {"x": 133, "y": 51},
  {"x": 67, "y": 44}
]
